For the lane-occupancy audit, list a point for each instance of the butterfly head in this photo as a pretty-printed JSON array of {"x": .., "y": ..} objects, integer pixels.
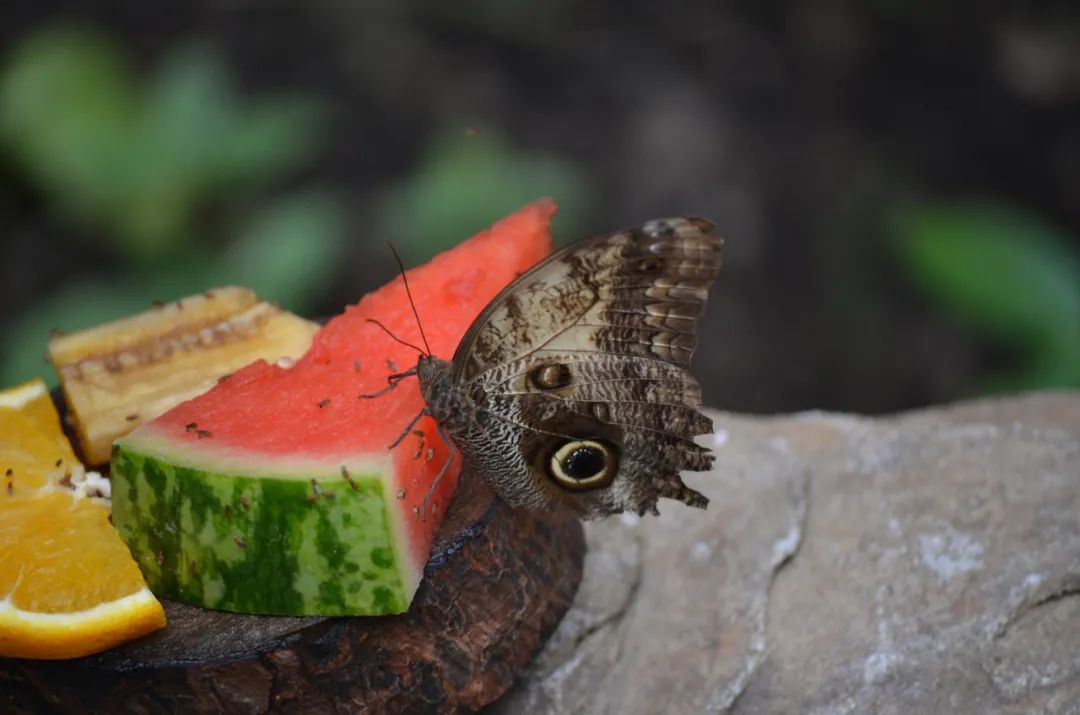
[
  {"x": 445, "y": 401},
  {"x": 432, "y": 372}
]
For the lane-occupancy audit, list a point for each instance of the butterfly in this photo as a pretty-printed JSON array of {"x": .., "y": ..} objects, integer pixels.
[{"x": 572, "y": 388}]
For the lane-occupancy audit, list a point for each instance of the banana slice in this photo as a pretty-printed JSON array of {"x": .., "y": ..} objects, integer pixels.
[{"x": 120, "y": 374}]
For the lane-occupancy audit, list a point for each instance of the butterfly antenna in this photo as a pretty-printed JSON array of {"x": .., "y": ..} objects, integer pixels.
[
  {"x": 401, "y": 267},
  {"x": 387, "y": 331}
]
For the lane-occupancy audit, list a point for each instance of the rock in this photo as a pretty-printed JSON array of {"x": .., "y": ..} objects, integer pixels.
[{"x": 928, "y": 562}]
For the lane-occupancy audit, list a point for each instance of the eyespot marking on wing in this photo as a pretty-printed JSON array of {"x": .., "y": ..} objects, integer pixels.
[
  {"x": 550, "y": 376},
  {"x": 583, "y": 464}
]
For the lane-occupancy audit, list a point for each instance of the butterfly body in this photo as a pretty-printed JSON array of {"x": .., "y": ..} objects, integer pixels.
[{"x": 571, "y": 389}]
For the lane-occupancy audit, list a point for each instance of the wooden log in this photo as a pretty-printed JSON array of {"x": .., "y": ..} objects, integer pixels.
[{"x": 495, "y": 587}]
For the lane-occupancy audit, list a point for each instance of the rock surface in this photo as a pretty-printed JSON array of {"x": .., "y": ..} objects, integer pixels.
[{"x": 923, "y": 563}]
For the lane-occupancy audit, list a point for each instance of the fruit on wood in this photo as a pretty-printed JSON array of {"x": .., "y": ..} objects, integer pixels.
[
  {"x": 274, "y": 492},
  {"x": 68, "y": 584},
  {"x": 118, "y": 375}
]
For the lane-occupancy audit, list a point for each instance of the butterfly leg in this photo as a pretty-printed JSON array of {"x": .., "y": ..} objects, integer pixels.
[
  {"x": 442, "y": 471},
  {"x": 393, "y": 381},
  {"x": 408, "y": 428}
]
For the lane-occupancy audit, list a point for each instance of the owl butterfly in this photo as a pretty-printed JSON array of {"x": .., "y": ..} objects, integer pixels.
[{"x": 571, "y": 389}]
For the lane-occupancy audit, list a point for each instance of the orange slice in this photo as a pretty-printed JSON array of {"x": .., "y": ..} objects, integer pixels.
[
  {"x": 32, "y": 444},
  {"x": 68, "y": 584}
]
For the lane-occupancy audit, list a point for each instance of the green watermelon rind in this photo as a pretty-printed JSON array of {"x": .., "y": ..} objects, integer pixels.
[{"x": 261, "y": 539}]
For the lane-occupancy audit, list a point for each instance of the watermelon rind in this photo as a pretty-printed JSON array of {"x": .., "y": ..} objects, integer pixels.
[{"x": 290, "y": 537}]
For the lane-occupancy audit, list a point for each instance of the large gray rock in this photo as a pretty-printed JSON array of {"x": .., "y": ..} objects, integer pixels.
[{"x": 925, "y": 563}]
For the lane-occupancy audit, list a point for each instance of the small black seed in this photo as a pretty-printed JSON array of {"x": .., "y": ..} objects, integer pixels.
[
  {"x": 356, "y": 365},
  {"x": 240, "y": 542},
  {"x": 132, "y": 417},
  {"x": 158, "y": 303},
  {"x": 8, "y": 472},
  {"x": 324, "y": 403},
  {"x": 228, "y": 511},
  {"x": 203, "y": 434},
  {"x": 191, "y": 426},
  {"x": 244, "y": 502},
  {"x": 58, "y": 462}
]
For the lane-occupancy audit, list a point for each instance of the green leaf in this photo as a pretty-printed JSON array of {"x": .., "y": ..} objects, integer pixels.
[
  {"x": 464, "y": 183},
  {"x": 142, "y": 167},
  {"x": 186, "y": 116},
  {"x": 1001, "y": 271},
  {"x": 289, "y": 251},
  {"x": 272, "y": 138},
  {"x": 189, "y": 110},
  {"x": 67, "y": 106}
]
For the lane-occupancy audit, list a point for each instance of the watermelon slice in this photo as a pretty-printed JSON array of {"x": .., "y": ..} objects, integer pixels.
[{"x": 274, "y": 492}]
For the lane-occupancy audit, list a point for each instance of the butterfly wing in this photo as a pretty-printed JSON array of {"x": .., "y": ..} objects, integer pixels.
[{"x": 578, "y": 370}]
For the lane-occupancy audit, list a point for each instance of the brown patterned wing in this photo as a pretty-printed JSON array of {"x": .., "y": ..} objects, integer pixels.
[
  {"x": 591, "y": 348},
  {"x": 634, "y": 292}
]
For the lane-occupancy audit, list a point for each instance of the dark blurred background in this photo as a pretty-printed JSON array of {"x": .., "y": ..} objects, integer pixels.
[{"x": 898, "y": 183}]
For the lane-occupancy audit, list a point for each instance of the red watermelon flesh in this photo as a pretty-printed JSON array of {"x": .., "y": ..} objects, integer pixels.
[{"x": 310, "y": 414}]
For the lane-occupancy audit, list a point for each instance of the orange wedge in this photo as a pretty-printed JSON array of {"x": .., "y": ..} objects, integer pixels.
[{"x": 68, "y": 584}]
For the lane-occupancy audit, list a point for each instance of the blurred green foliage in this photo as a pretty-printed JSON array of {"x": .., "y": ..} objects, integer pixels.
[
  {"x": 1007, "y": 276},
  {"x": 168, "y": 174},
  {"x": 467, "y": 180}
]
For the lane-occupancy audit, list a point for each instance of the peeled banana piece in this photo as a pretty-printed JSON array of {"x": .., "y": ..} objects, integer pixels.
[{"x": 120, "y": 374}]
